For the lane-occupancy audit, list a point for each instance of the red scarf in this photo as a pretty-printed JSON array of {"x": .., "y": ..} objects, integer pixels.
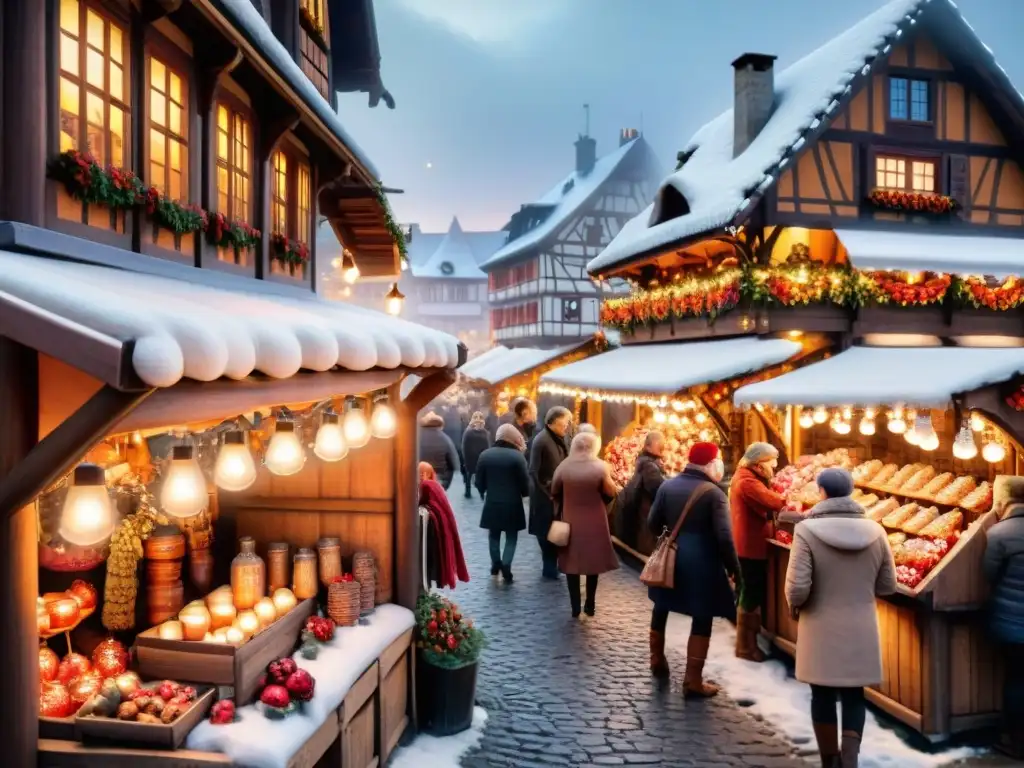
[{"x": 453, "y": 564}]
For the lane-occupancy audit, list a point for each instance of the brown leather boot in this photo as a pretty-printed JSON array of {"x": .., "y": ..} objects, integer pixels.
[
  {"x": 659, "y": 664},
  {"x": 748, "y": 624},
  {"x": 693, "y": 683},
  {"x": 851, "y": 749},
  {"x": 827, "y": 736}
]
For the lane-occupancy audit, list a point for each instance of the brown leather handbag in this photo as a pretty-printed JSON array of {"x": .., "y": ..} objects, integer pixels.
[{"x": 660, "y": 570}]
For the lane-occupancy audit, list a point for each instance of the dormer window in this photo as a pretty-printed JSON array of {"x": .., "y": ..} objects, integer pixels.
[{"x": 313, "y": 44}]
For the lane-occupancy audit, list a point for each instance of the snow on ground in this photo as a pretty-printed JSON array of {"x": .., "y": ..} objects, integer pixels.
[
  {"x": 785, "y": 703},
  {"x": 433, "y": 752}
]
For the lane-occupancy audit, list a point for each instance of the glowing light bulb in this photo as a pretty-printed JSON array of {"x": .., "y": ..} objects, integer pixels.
[
  {"x": 964, "y": 447},
  {"x": 184, "y": 486},
  {"x": 349, "y": 270},
  {"x": 356, "y": 430},
  {"x": 660, "y": 417},
  {"x": 820, "y": 415},
  {"x": 911, "y": 436},
  {"x": 929, "y": 442},
  {"x": 235, "y": 469},
  {"x": 847, "y": 413},
  {"x": 285, "y": 455},
  {"x": 993, "y": 452},
  {"x": 841, "y": 427},
  {"x": 977, "y": 423},
  {"x": 393, "y": 300},
  {"x": 330, "y": 442},
  {"x": 383, "y": 422},
  {"x": 806, "y": 419},
  {"x": 867, "y": 425},
  {"x": 88, "y": 516}
]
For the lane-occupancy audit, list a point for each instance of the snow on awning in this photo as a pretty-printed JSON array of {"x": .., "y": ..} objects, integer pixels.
[
  {"x": 922, "y": 377},
  {"x": 671, "y": 368},
  {"x": 205, "y": 326},
  {"x": 501, "y": 363},
  {"x": 926, "y": 252}
]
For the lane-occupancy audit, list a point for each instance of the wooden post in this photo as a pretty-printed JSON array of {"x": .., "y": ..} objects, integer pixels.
[
  {"x": 23, "y": 155},
  {"x": 407, "y": 549},
  {"x": 19, "y": 569}
]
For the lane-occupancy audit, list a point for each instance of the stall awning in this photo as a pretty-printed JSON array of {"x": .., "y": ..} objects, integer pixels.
[
  {"x": 501, "y": 363},
  {"x": 671, "y": 368},
  {"x": 925, "y": 377},
  {"x": 158, "y": 323},
  {"x": 926, "y": 252}
]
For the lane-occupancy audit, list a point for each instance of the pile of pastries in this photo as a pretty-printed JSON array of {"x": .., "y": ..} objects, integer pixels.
[{"x": 922, "y": 482}]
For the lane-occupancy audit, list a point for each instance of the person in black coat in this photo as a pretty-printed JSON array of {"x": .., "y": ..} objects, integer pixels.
[
  {"x": 1004, "y": 569},
  {"x": 437, "y": 449},
  {"x": 705, "y": 561},
  {"x": 503, "y": 480},
  {"x": 547, "y": 451},
  {"x": 522, "y": 413},
  {"x": 638, "y": 496},
  {"x": 475, "y": 440}
]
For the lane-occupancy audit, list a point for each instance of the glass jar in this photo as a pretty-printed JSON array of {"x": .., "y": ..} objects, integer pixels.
[
  {"x": 304, "y": 575},
  {"x": 277, "y": 566},
  {"x": 329, "y": 550},
  {"x": 248, "y": 575}
]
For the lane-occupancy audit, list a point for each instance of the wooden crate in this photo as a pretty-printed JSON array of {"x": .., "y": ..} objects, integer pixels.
[
  {"x": 358, "y": 717},
  {"x": 124, "y": 733},
  {"x": 396, "y": 668},
  {"x": 218, "y": 663}
]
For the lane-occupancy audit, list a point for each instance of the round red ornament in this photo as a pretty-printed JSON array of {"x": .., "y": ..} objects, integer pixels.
[
  {"x": 84, "y": 687},
  {"x": 48, "y": 664},
  {"x": 110, "y": 658},
  {"x": 54, "y": 700},
  {"x": 73, "y": 665},
  {"x": 85, "y": 595}
]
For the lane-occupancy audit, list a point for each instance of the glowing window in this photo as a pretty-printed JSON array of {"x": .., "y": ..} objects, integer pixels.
[
  {"x": 922, "y": 176},
  {"x": 234, "y": 161},
  {"x": 890, "y": 173},
  {"x": 302, "y": 230},
  {"x": 279, "y": 193},
  {"x": 168, "y": 130}
]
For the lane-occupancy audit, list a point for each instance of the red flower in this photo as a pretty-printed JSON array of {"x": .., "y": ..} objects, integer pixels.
[
  {"x": 452, "y": 642},
  {"x": 432, "y": 627}
]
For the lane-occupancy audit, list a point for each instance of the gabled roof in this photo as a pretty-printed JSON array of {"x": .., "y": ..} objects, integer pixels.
[
  {"x": 453, "y": 259},
  {"x": 721, "y": 190},
  {"x": 567, "y": 197}
]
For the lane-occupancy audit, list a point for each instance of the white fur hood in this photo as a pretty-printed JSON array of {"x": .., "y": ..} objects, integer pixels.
[{"x": 847, "y": 533}]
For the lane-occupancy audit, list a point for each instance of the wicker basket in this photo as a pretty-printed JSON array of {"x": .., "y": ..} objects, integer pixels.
[
  {"x": 365, "y": 572},
  {"x": 343, "y": 602}
]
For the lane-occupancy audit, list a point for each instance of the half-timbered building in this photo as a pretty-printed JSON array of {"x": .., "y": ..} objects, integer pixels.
[{"x": 539, "y": 291}]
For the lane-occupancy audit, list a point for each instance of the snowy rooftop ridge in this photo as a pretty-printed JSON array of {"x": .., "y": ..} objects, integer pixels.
[
  {"x": 252, "y": 24},
  {"x": 500, "y": 363},
  {"x": 567, "y": 196},
  {"x": 719, "y": 187},
  {"x": 453, "y": 258}
]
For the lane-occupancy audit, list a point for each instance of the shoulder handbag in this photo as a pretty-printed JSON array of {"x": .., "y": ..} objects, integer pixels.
[
  {"x": 558, "y": 533},
  {"x": 660, "y": 570}
]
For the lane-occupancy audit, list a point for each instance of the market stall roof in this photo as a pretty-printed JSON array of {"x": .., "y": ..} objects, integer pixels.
[
  {"x": 166, "y": 322},
  {"x": 925, "y": 252},
  {"x": 501, "y": 363},
  {"x": 925, "y": 377},
  {"x": 670, "y": 368}
]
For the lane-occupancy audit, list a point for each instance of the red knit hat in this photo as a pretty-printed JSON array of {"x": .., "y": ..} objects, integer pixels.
[{"x": 702, "y": 453}]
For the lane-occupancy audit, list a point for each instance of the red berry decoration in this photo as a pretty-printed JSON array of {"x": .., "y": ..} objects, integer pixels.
[
  {"x": 278, "y": 671},
  {"x": 276, "y": 696},
  {"x": 147, "y": 693},
  {"x": 223, "y": 712},
  {"x": 300, "y": 685},
  {"x": 74, "y": 665},
  {"x": 322, "y": 629},
  {"x": 167, "y": 691}
]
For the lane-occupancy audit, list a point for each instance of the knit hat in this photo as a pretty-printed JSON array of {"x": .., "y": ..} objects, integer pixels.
[
  {"x": 758, "y": 452},
  {"x": 702, "y": 453},
  {"x": 835, "y": 482},
  {"x": 509, "y": 433},
  {"x": 1006, "y": 490}
]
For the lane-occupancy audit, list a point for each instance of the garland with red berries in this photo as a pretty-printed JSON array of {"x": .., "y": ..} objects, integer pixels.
[
  {"x": 977, "y": 293},
  {"x": 288, "y": 251},
  {"x": 238, "y": 235}
]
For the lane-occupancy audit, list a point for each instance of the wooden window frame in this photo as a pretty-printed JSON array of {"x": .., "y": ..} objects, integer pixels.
[
  {"x": 910, "y": 79},
  {"x": 183, "y": 137},
  {"x": 236, "y": 110},
  {"x": 296, "y": 158},
  {"x": 909, "y": 157}
]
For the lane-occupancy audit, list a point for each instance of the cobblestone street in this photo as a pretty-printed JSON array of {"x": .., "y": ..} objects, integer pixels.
[{"x": 568, "y": 692}]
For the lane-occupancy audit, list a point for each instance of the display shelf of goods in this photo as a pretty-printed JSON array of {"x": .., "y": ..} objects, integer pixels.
[
  {"x": 621, "y": 453},
  {"x": 935, "y": 521},
  {"x": 158, "y": 714}
]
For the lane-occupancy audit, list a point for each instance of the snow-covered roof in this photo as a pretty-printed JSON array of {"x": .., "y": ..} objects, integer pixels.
[
  {"x": 566, "y": 198},
  {"x": 453, "y": 259},
  {"x": 422, "y": 245},
  {"x": 224, "y": 326},
  {"x": 252, "y": 24},
  {"x": 719, "y": 188},
  {"x": 922, "y": 377},
  {"x": 501, "y": 363},
  {"x": 930, "y": 252},
  {"x": 670, "y": 368}
]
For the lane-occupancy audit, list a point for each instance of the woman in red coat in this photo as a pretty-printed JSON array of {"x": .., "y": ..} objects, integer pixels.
[{"x": 753, "y": 505}]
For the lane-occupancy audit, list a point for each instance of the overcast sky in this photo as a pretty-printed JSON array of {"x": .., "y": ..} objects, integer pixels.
[{"x": 490, "y": 92}]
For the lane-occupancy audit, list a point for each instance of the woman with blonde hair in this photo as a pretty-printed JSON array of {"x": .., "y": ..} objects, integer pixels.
[{"x": 582, "y": 487}]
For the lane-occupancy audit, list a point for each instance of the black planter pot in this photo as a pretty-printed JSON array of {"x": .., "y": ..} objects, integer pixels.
[{"x": 445, "y": 697}]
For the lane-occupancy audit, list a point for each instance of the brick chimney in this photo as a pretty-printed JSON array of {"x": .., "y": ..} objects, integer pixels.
[
  {"x": 627, "y": 135},
  {"x": 754, "y": 98},
  {"x": 586, "y": 154}
]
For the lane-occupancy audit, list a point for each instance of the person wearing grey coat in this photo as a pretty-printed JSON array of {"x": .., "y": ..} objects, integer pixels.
[{"x": 437, "y": 449}]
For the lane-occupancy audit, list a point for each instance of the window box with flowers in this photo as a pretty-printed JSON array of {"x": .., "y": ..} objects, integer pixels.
[
  {"x": 916, "y": 203},
  {"x": 239, "y": 239},
  {"x": 291, "y": 254},
  {"x": 448, "y": 648}
]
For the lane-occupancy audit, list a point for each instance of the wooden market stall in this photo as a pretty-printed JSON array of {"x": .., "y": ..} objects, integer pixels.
[
  {"x": 200, "y": 425},
  {"x": 918, "y": 428}
]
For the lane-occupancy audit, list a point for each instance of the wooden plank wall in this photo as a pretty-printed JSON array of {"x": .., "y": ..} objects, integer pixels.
[
  {"x": 902, "y": 654},
  {"x": 976, "y": 670}
]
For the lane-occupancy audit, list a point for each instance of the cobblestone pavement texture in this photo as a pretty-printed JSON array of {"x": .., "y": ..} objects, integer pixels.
[{"x": 576, "y": 692}]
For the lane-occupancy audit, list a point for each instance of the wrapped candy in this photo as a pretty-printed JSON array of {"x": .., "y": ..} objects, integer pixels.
[
  {"x": 920, "y": 554},
  {"x": 908, "y": 577}
]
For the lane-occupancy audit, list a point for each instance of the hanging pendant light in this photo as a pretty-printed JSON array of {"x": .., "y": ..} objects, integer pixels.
[
  {"x": 977, "y": 422},
  {"x": 393, "y": 301},
  {"x": 964, "y": 447},
  {"x": 235, "y": 469},
  {"x": 897, "y": 424},
  {"x": 820, "y": 415},
  {"x": 330, "y": 442},
  {"x": 867, "y": 424},
  {"x": 88, "y": 515},
  {"x": 993, "y": 452},
  {"x": 806, "y": 419},
  {"x": 184, "y": 486},
  {"x": 285, "y": 454},
  {"x": 660, "y": 417},
  {"x": 383, "y": 421},
  {"x": 349, "y": 270},
  {"x": 357, "y": 431}
]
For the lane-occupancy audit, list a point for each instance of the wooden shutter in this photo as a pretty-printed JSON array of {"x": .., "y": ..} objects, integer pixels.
[{"x": 960, "y": 183}]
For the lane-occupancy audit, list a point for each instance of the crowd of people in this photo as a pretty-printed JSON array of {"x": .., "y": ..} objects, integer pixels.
[{"x": 840, "y": 560}]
